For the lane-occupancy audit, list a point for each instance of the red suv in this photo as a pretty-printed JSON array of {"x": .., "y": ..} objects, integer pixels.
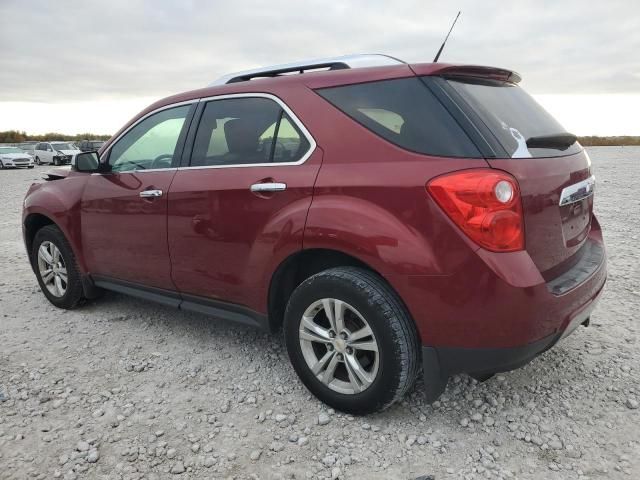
[{"x": 391, "y": 218}]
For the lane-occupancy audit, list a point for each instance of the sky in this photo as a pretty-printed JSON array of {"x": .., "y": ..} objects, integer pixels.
[{"x": 77, "y": 66}]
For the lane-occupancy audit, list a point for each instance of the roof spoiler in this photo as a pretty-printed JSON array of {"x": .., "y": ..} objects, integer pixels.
[
  {"x": 473, "y": 71},
  {"x": 334, "y": 63}
]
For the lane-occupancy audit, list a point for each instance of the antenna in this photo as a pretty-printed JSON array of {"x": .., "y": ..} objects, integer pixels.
[{"x": 435, "y": 60}]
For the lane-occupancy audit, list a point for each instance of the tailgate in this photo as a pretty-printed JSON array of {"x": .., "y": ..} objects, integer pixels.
[{"x": 553, "y": 232}]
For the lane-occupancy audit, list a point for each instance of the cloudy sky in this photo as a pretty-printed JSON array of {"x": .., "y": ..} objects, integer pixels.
[{"x": 77, "y": 66}]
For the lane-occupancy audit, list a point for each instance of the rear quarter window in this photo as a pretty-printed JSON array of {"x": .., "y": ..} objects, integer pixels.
[{"x": 404, "y": 112}]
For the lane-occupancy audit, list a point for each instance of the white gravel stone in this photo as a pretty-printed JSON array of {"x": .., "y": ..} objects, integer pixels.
[
  {"x": 255, "y": 455},
  {"x": 93, "y": 456},
  {"x": 178, "y": 468},
  {"x": 323, "y": 418},
  {"x": 82, "y": 446}
]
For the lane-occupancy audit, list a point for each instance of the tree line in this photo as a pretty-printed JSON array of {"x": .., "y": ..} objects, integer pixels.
[
  {"x": 593, "y": 141},
  {"x": 15, "y": 136}
]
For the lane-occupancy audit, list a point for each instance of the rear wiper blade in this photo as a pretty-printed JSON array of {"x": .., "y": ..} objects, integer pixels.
[{"x": 561, "y": 141}]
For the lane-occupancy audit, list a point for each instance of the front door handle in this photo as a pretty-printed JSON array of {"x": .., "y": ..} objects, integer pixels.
[
  {"x": 151, "y": 193},
  {"x": 268, "y": 187}
]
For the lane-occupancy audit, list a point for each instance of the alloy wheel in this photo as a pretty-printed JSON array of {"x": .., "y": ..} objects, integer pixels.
[
  {"x": 339, "y": 346},
  {"x": 52, "y": 268}
]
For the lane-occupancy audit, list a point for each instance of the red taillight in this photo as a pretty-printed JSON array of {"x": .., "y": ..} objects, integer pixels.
[{"x": 485, "y": 204}]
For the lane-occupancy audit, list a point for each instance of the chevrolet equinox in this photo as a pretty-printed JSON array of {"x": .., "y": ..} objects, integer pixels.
[{"x": 391, "y": 218}]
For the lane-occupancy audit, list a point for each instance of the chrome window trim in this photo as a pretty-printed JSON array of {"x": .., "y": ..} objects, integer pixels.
[
  {"x": 278, "y": 100},
  {"x": 287, "y": 110},
  {"x": 147, "y": 115},
  {"x": 141, "y": 170},
  {"x": 578, "y": 191}
]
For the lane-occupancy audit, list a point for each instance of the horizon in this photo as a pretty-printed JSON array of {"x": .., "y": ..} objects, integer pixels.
[{"x": 572, "y": 111}]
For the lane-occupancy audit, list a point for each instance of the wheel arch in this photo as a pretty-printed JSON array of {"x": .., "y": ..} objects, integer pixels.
[
  {"x": 301, "y": 265},
  {"x": 32, "y": 223}
]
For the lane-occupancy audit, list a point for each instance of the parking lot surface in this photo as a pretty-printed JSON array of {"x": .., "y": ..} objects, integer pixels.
[{"x": 124, "y": 389}]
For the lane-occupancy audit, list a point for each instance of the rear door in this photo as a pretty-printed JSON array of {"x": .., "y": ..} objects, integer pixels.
[
  {"x": 124, "y": 212},
  {"x": 239, "y": 206},
  {"x": 552, "y": 169}
]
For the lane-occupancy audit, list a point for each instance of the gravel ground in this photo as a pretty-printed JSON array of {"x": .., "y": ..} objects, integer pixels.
[{"x": 121, "y": 388}]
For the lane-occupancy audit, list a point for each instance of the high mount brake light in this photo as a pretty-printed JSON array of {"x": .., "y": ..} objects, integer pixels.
[{"x": 485, "y": 204}]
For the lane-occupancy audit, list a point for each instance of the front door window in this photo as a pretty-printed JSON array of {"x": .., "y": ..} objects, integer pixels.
[{"x": 151, "y": 144}]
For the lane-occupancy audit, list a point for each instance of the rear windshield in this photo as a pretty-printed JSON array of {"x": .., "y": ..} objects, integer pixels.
[
  {"x": 515, "y": 119},
  {"x": 404, "y": 112}
]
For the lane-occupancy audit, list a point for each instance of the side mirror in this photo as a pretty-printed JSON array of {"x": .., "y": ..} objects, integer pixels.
[{"x": 88, "y": 162}]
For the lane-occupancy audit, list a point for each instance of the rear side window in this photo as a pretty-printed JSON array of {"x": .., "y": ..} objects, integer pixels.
[
  {"x": 404, "y": 112},
  {"x": 246, "y": 131},
  {"x": 521, "y": 126}
]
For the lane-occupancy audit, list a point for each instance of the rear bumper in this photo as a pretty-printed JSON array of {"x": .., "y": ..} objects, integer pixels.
[
  {"x": 439, "y": 363},
  {"x": 540, "y": 318}
]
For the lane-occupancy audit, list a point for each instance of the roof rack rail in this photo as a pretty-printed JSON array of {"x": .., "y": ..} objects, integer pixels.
[{"x": 333, "y": 63}]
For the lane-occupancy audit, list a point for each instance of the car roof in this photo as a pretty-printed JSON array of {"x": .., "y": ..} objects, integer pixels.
[{"x": 327, "y": 78}]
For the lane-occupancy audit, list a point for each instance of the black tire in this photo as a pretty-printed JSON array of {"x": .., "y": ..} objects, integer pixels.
[
  {"x": 393, "y": 327},
  {"x": 31, "y": 166},
  {"x": 1, "y": 166},
  {"x": 38, "y": 161},
  {"x": 74, "y": 293},
  {"x": 56, "y": 162}
]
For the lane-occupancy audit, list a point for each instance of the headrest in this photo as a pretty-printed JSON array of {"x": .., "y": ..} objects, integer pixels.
[{"x": 242, "y": 135}]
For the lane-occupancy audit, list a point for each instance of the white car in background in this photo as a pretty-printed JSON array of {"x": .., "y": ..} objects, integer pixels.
[
  {"x": 14, "y": 157},
  {"x": 57, "y": 153}
]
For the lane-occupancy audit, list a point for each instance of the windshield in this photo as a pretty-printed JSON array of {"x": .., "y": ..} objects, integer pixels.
[
  {"x": 10, "y": 150},
  {"x": 519, "y": 124},
  {"x": 62, "y": 146}
]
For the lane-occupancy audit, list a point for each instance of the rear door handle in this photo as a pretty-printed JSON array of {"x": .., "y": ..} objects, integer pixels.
[
  {"x": 150, "y": 193},
  {"x": 268, "y": 187}
]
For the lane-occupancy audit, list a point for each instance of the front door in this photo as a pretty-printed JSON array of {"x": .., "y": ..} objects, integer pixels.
[
  {"x": 124, "y": 211},
  {"x": 240, "y": 206}
]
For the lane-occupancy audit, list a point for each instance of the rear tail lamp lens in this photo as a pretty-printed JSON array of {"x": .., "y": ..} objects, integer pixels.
[{"x": 485, "y": 204}]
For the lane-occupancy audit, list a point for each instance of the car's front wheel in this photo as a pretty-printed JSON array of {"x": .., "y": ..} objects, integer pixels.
[
  {"x": 351, "y": 340},
  {"x": 56, "y": 268}
]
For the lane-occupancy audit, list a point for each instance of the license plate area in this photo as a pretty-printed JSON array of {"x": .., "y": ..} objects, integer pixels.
[{"x": 576, "y": 221}]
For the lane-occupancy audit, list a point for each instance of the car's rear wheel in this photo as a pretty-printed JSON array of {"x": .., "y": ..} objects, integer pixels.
[
  {"x": 56, "y": 268},
  {"x": 38, "y": 161},
  {"x": 351, "y": 340},
  {"x": 1, "y": 165}
]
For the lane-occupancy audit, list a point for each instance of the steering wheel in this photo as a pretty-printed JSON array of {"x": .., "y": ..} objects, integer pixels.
[{"x": 160, "y": 161}]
